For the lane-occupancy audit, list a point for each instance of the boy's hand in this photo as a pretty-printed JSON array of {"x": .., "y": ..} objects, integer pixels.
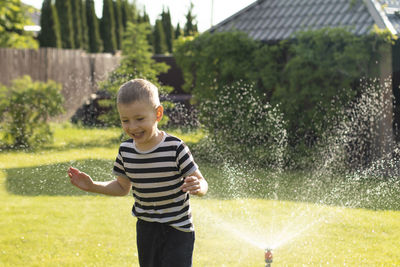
[
  {"x": 191, "y": 184},
  {"x": 80, "y": 179}
]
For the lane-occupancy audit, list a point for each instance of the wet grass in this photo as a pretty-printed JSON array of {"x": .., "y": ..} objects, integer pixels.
[{"x": 47, "y": 222}]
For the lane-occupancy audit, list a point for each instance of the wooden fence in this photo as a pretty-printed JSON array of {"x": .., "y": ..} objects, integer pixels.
[{"x": 77, "y": 71}]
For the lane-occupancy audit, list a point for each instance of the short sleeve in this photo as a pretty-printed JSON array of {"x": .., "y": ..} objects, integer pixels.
[
  {"x": 185, "y": 161},
  {"x": 119, "y": 169}
]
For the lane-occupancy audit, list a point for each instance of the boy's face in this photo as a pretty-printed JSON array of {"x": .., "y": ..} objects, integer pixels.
[{"x": 139, "y": 120}]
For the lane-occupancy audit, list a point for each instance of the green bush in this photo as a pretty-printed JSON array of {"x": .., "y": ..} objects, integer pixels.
[
  {"x": 311, "y": 76},
  {"x": 323, "y": 66},
  {"x": 213, "y": 61},
  {"x": 25, "y": 108},
  {"x": 243, "y": 128}
]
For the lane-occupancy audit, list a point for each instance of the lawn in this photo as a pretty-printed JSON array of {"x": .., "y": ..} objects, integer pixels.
[{"x": 47, "y": 222}]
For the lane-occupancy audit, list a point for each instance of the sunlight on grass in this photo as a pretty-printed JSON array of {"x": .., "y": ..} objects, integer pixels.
[{"x": 47, "y": 222}]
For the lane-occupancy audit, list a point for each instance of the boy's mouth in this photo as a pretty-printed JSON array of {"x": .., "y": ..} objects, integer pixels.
[{"x": 138, "y": 135}]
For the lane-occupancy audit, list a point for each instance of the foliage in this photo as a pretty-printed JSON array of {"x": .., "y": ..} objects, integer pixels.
[
  {"x": 85, "y": 33},
  {"x": 178, "y": 31},
  {"x": 137, "y": 62},
  {"x": 243, "y": 127},
  {"x": 26, "y": 107},
  {"x": 50, "y": 35},
  {"x": 77, "y": 23},
  {"x": 211, "y": 61},
  {"x": 107, "y": 27},
  {"x": 323, "y": 66},
  {"x": 129, "y": 13},
  {"x": 168, "y": 29},
  {"x": 311, "y": 77},
  {"x": 159, "y": 40},
  {"x": 119, "y": 27},
  {"x": 64, "y": 11},
  {"x": 190, "y": 28},
  {"x": 13, "y": 18},
  {"x": 95, "y": 43}
]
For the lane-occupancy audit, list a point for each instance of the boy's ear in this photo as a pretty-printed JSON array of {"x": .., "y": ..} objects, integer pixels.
[{"x": 159, "y": 112}]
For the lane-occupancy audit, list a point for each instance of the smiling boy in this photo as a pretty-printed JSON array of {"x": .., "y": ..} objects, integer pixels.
[{"x": 162, "y": 173}]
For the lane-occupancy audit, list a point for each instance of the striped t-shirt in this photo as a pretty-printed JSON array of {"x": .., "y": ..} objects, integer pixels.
[{"x": 156, "y": 177}]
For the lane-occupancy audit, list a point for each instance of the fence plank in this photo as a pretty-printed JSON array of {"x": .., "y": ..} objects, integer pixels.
[{"x": 72, "y": 68}]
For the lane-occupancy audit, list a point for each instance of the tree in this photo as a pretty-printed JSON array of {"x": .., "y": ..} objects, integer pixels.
[
  {"x": 13, "y": 18},
  {"x": 95, "y": 43},
  {"x": 178, "y": 31},
  {"x": 65, "y": 16},
  {"x": 129, "y": 13},
  {"x": 119, "y": 27},
  {"x": 76, "y": 22},
  {"x": 85, "y": 32},
  {"x": 49, "y": 35},
  {"x": 137, "y": 62},
  {"x": 107, "y": 27},
  {"x": 168, "y": 29},
  {"x": 190, "y": 28},
  {"x": 159, "y": 42}
]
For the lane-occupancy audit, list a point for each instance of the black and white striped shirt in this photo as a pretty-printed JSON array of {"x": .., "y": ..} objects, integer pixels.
[{"x": 156, "y": 177}]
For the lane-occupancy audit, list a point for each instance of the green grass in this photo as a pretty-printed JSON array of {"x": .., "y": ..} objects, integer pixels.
[{"x": 47, "y": 222}]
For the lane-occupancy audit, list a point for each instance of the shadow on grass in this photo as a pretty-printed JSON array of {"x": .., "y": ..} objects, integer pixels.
[
  {"x": 52, "y": 180},
  {"x": 367, "y": 193}
]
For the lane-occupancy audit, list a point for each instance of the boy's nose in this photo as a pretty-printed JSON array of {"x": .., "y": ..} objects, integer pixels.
[{"x": 132, "y": 126}]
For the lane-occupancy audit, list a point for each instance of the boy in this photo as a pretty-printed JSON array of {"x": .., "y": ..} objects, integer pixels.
[{"x": 161, "y": 171}]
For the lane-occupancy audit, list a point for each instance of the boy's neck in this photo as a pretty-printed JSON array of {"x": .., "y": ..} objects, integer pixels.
[{"x": 157, "y": 138}]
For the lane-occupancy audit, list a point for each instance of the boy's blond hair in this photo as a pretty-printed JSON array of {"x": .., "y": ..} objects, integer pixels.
[{"x": 138, "y": 90}]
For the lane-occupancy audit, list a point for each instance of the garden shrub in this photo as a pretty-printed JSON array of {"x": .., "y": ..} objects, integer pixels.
[
  {"x": 243, "y": 127},
  {"x": 25, "y": 109},
  {"x": 311, "y": 76},
  {"x": 213, "y": 61},
  {"x": 323, "y": 66}
]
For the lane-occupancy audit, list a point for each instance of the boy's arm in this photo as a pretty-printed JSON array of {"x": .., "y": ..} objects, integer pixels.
[
  {"x": 195, "y": 184},
  {"x": 117, "y": 187}
]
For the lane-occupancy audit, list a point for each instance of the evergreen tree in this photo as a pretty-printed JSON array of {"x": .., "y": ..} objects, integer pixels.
[
  {"x": 85, "y": 33},
  {"x": 107, "y": 27},
  {"x": 49, "y": 35},
  {"x": 129, "y": 13},
  {"x": 137, "y": 62},
  {"x": 190, "y": 28},
  {"x": 168, "y": 29},
  {"x": 95, "y": 43},
  {"x": 77, "y": 22},
  {"x": 144, "y": 18},
  {"x": 178, "y": 31},
  {"x": 119, "y": 27},
  {"x": 159, "y": 43},
  {"x": 65, "y": 17}
]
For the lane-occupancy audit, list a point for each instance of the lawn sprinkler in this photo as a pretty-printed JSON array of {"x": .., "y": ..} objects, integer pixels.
[{"x": 268, "y": 257}]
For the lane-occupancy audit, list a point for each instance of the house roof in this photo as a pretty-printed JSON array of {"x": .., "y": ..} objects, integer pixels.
[{"x": 275, "y": 20}]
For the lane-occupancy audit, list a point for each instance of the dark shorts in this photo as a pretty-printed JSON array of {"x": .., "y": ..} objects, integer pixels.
[{"x": 161, "y": 245}]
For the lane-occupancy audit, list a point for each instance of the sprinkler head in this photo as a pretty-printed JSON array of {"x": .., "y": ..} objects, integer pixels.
[{"x": 268, "y": 255}]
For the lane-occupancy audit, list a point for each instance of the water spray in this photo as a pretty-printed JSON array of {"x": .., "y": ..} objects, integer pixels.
[{"x": 268, "y": 257}]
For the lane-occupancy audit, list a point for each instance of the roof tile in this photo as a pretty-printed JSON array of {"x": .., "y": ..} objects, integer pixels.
[{"x": 270, "y": 20}]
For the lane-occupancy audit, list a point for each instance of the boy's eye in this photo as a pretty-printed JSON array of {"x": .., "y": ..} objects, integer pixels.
[{"x": 140, "y": 119}]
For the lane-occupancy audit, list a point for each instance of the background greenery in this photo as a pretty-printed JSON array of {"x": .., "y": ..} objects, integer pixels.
[
  {"x": 25, "y": 109},
  {"x": 311, "y": 76}
]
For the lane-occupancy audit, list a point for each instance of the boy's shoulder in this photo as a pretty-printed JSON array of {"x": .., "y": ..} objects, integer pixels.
[{"x": 170, "y": 137}]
